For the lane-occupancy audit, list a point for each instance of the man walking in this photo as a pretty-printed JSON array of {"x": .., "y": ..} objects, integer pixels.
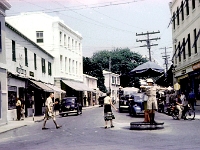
[{"x": 49, "y": 111}]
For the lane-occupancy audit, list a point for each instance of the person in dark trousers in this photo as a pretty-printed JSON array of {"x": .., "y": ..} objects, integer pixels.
[
  {"x": 85, "y": 99},
  {"x": 49, "y": 111},
  {"x": 192, "y": 98},
  {"x": 57, "y": 105},
  {"x": 18, "y": 107}
]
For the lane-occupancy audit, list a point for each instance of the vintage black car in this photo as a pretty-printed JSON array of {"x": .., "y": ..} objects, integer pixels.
[
  {"x": 125, "y": 98},
  {"x": 70, "y": 105},
  {"x": 101, "y": 100}
]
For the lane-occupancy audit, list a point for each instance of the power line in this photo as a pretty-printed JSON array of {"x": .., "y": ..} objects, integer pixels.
[
  {"x": 166, "y": 57},
  {"x": 148, "y": 41}
]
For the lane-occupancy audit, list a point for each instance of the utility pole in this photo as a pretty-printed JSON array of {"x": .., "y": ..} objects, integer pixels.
[
  {"x": 109, "y": 73},
  {"x": 148, "y": 41},
  {"x": 166, "y": 57}
]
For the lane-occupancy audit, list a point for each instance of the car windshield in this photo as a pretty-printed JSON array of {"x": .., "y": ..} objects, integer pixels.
[
  {"x": 68, "y": 101},
  {"x": 138, "y": 97},
  {"x": 129, "y": 92}
]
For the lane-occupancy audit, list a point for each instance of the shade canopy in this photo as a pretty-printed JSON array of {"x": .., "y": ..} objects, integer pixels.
[
  {"x": 78, "y": 86},
  {"x": 148, "y": 69}
]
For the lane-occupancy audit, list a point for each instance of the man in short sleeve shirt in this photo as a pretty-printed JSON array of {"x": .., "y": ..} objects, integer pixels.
[{"x": 49, "y": 111}]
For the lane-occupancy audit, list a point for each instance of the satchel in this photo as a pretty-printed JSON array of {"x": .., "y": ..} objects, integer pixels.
[{"x": 113, "y": 117}]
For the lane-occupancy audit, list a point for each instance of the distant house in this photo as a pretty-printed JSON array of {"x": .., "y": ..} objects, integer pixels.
[{"x": 112, "y": 83}]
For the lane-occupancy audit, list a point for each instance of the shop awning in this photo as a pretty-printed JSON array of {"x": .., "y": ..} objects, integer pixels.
[
  {"x": 55, "y": 88},
  {"x": 78, "y": 86},
  {"x": 42, "y": 86}
]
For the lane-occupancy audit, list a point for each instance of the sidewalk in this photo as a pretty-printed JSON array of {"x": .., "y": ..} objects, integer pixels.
[{"x": 11, "y": 125}]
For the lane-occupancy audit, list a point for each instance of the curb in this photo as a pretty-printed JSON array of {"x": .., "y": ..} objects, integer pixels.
[{"x": 13, "y": 129}]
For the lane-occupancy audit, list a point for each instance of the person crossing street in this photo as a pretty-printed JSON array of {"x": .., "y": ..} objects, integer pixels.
[{"x": 49, "y": 111}]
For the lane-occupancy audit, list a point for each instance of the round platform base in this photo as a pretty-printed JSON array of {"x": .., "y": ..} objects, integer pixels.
[{"x": 146, "y": 126}]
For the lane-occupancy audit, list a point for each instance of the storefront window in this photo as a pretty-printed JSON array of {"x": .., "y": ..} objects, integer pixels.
[{"x": 12, "y": 96}]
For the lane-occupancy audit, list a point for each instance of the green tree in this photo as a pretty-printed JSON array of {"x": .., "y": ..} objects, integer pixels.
[
  {"x": 122, "y": 62},
  {"x": 94, "y": 69}
]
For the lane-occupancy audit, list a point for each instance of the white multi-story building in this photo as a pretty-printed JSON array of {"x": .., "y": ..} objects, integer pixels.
[
  {"x": 65, "y": 44},
  {"x": 112, "y": 83},
  {"x": 186, "y": 43},
  {"x": 29, "y": 71},
  {"x": 93, "y": 94},
  {"x": 4, "y": 5}
]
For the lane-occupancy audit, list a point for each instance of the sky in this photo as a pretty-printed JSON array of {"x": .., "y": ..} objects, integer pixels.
[{"x": 109, "y": 24}]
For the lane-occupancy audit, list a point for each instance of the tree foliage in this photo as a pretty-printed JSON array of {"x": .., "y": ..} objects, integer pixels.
[
  {"x": 122, "y": 62},
  {"x": 93, "y": 69}
]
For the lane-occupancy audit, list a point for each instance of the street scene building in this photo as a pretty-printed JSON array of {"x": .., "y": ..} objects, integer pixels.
[
  {"x": 92, "y": 94},
  {"x": 4, "y": 5},
  {"x": 65, "y": 44},
  {"x": 185, "y": 33},
  {"x": 112, "y": 83},
  {"x": 29, "y": 71}
]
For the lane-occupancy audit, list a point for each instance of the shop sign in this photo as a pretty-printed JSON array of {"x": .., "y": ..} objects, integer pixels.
[
  {"x": 12, "y": 88},
  {"x": 196, "y": 66},
  {"x": 177, "y": 86},
  {"x": 21, "y": 71},
  {"x": 182, "y": 77},
  {"x": 31, "y": 73}
]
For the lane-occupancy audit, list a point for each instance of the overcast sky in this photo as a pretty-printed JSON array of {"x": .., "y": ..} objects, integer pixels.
[{"x": 109, "y": 24}]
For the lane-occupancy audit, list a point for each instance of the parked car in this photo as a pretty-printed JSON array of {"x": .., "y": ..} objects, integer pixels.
[
  {"x": 136, "y": 105},
  {"x": 70, "y": 105},
  {"x": 125, "y": 98},
  {"x": 101, "y": 100}
]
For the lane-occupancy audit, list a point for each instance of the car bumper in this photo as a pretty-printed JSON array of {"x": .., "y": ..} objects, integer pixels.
[{"x": 124, "y": 107}]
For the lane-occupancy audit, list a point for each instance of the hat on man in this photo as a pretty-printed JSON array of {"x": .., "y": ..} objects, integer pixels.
[{"x": 149, "y": 80}]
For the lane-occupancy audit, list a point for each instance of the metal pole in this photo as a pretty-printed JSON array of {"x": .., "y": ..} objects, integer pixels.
[
  {"x": 109, "y": 73},
  {"x": 33, "y": 105}
]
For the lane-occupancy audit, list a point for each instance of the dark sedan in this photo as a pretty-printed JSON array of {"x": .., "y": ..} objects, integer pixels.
[{"x": 70, "y": 105}]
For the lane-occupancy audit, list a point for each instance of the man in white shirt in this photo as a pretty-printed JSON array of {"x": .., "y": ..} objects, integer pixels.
[{"x": 49, "y": 111}]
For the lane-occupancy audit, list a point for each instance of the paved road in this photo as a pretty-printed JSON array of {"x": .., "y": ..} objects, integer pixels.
[{"x": 87, "y": 132}]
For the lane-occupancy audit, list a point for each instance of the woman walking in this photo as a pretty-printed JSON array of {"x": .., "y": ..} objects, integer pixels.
[{"x": 108, "y": 115}]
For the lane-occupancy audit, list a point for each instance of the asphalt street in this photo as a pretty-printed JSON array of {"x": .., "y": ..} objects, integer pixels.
[{"x": 87, "y": 131}]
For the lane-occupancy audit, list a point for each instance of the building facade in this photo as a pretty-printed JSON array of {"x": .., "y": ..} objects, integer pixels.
[
  {"x": 29, "y": 70},
  {"x": 186, "y": 43},
  {"x": 4, "y": 5},
  {"x": 112, "y": 83},
  {"x": 93, "y": 94},
  {"x": 65, "y": 44}
]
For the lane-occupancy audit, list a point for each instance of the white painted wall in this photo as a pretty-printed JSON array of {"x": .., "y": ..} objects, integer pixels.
[
  {"x": 182, "y": 30},
  {"x": 4, "y": 5},
  {"x": 20, "y": 43},
  {"x": 54, "y": 43},
  {"x": 114, "y": 86}
]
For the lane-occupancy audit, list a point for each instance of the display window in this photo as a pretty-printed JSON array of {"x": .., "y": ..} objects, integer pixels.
[{"x": 12, "y": 97}]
